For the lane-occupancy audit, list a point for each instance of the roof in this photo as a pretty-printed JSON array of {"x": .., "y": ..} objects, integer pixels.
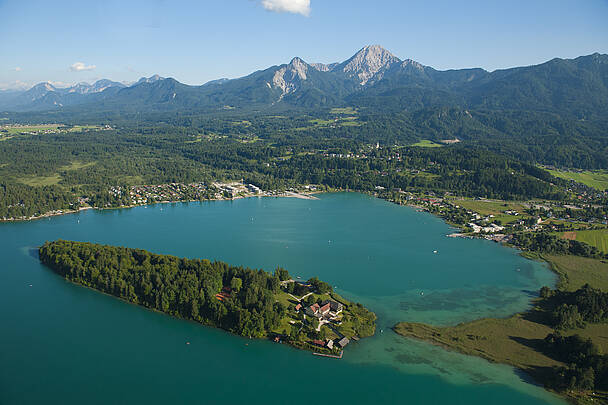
[
  {"x": 315, "y": 307},
  {"x": 343, "y": 342}
]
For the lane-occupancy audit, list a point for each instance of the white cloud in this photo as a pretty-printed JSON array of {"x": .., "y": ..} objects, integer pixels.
[
  {"x": 80, "y": 67},
  {"x": 16, "y": 85},
  {"x": 17, "y": 69},
  {"x": 288, "y": 6}
]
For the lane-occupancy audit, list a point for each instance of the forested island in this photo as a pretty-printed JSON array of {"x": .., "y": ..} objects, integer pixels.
[{"x": 247, "y": 302}]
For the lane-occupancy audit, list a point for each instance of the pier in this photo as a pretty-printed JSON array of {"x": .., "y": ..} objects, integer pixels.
[{"x": 333, "y": 356}]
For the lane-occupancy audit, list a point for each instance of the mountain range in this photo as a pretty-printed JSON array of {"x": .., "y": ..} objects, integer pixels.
[{"x": 373, "y": 78}]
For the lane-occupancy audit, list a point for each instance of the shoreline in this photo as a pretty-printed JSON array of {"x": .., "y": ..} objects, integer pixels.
[
  {"x": 287, "y": 194},
  {"x": 308, "y": 196}
]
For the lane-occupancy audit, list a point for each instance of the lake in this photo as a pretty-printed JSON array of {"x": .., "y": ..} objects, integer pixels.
[{"x": 61, "y": 343}]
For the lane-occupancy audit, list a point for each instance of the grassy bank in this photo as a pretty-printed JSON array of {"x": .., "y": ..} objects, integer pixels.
[{"x": 518, "y": 340}]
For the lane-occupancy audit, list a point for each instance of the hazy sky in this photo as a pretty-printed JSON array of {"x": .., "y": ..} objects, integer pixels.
[{"x": 197, "y": 41}]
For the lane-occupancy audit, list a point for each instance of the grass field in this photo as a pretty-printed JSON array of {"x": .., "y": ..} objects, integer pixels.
[
  {"x": 425, "y": 143},
  {"x": 11, "y": 130},
  {"x": 597, "y": 238},
  {"x": 39, "y": 181},
  {"x": 133, "y": 180},
  {"x": 595, "y": 179},
  {"x": 75, "y": 166},
  {"x": 18, "y": 130},
  {"x": 80, "y": 128},
  {"x": 338, "y": 122},
  {"x": 344, "y": 110},
  {"x": 576, "y": 271},
  {"x": 494, "y": 207},
  {"x": 496, "y": 340}
]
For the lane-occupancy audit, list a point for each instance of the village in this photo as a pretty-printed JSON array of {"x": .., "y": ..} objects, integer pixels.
[
  {"x": 498, "y": 220},
  {"x": 180, "y": 192},
  {"x": 320, "y": 320}
]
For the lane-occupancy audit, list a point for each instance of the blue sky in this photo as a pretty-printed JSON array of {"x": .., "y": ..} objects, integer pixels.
[{"x": 197, "y": 41}]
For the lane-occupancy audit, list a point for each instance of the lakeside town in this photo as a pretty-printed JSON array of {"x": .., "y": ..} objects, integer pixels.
[{"x": 494, "y": 220}]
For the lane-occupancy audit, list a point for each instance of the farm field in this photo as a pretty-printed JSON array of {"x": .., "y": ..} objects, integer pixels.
[
  {"x": 344, "y": 110},
  {"x": 40, "y": 181},
  {"x": 9, "y": 131},
  {"x": 425, "y": 143},
  {"x": 595, "y": 237},
  {"x": 595, "y": 179}
]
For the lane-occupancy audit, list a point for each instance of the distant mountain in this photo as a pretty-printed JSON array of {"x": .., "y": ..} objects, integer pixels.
[
  {"x": 372, "y": 78},
  {"x": 97, "y": 87},
  {"x": 216, "y": 81},
  {"x": 368, "y": 65},
  {"x": 150, "y": 79},
  {"x": 46, "y": 96}
]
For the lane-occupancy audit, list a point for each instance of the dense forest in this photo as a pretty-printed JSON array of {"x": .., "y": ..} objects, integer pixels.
[
  {"x": 544, "y": 242},
  {"x": 586, "y": 368},
  {"x": 40, "y": 173},
  {"x": 185, "y": 288}
]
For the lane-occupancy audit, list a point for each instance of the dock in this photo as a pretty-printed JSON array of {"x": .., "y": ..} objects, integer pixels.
[{"x": 333, "y": 356}]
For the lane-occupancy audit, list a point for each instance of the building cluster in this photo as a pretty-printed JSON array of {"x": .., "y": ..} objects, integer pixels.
[
  {"x": 162, "y": 193},
  {"x": 326, "y": 312},
  {"x": 237, "y": 189}
]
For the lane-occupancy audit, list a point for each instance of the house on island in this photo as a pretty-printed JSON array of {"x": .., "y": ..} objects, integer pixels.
[
  {"x": 314, "y": 310},
  {"x": 327, "y": 307},
  {"x": 334, "y": 306},
  {"x": 343, "y": 342},
  {"x": 327, "y": 344}
]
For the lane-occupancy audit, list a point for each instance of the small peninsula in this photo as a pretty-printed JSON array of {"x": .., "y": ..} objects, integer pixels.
[
  {"x": 252, "y": 303},
  {"x": 560, "y": 342}
]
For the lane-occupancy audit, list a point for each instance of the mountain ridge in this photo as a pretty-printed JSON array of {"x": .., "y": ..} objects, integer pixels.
[{"x": 372, "y": 78}]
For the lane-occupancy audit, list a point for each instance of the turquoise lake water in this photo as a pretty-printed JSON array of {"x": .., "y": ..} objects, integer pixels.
[{"x": 60, "y": 343}]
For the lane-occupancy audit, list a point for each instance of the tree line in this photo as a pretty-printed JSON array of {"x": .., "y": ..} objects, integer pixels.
[{"x": 240, "y": 300}]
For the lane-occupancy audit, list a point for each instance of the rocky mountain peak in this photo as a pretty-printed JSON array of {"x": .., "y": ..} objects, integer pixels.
[
  {"x": 40, "y": 90},
  {"x": 412, "y": 64},
  {"x": 322, "y": 67},
  {"x": 298, "y": 67},
  {"x": 289, "y": 77},
  {"x": 367, "y": 62}
]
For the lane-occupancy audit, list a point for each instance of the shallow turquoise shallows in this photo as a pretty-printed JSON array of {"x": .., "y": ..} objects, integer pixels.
[{"x": 64, "y": 344}]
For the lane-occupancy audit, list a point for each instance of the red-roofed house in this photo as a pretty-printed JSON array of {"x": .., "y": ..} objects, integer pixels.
[{"x": 313, "y": 310}]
